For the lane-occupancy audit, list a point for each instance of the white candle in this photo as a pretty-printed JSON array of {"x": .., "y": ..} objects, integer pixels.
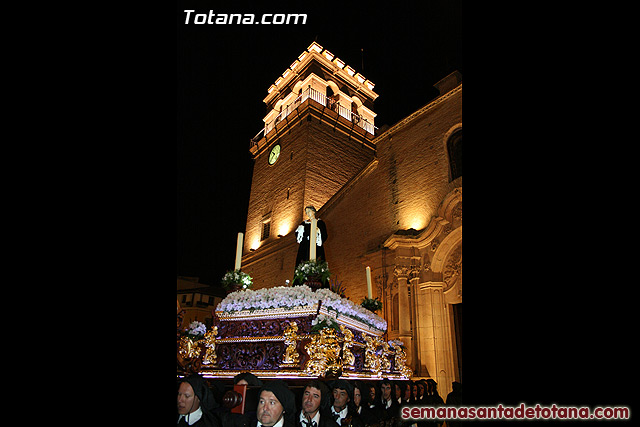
[
  {"x": 369, "y": 282},
  {"x": 239, "y": 251},
  {"x": 312, "y": 243}
]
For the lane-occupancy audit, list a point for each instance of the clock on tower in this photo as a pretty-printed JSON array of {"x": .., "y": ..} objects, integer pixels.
[
  {"x": 317, "y": 135},
  {"x": 274, "y": 154}
]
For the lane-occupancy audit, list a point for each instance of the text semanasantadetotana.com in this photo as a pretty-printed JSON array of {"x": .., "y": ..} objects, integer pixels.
[{"x": 522, "y": 412}]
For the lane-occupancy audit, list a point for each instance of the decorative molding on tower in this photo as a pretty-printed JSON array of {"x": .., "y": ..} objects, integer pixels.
[
  {"x": 320, "y": 84},
  {"x": 317, "y": 52}
]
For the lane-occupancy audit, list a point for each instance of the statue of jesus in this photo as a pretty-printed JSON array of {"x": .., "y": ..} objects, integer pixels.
[{"x": 303, "y": 233}]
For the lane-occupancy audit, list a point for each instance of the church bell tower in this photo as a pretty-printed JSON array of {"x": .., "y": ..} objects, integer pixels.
[{"x": 318, "y": 133}]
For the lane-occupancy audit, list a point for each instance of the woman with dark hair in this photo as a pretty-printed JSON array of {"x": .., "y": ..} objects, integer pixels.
[
  {"x": 422, "y": 389},
  {"x": 414, "y": 392},
  {"x": 371, "y": 413},
  {"x": 398, "y": 391},
  {"x": 407, "y": 397}
]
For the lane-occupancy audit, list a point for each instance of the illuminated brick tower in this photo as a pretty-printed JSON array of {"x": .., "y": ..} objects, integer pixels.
[
  {"x": 391, "y": 200},
  {"x": 317, "y": 135}
]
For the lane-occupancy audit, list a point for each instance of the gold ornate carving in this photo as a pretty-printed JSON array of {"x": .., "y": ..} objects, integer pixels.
[
  {"x": 188, "y": 349},
  {"x": 371, "y": 359},
  {"x": 210, "y": 357},
  {"x": 377, "y": 361},
  {"x": 401, "y": 361},
  {"x": 291, "y": 356},
  {"x": 324, "y": 354},
  {"x": 385, "y": 363},
  {"x": 348, "y": 359}
]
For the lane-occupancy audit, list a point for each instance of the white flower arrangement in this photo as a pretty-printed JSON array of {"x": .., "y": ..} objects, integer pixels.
[
  {"x": 306, "y": 269},
  {"x": 196, "y": 330},
  {"x": 299, "y": 296},
  {"x": 324, "y": 321},
  {"x": 236, "y": 277}
]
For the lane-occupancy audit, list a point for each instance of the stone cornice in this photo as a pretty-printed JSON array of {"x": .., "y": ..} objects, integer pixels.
[
  {"x": 421, "y": 240},
  {"x": 412, "y": 117}
]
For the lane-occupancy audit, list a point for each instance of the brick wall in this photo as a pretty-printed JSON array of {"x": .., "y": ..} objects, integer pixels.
[
  {"x": 402, "y": 191},
  {"x": 315, "y": 161},
  {"x": 271, "y": 184},
  {"x": 332, "y": 159}
]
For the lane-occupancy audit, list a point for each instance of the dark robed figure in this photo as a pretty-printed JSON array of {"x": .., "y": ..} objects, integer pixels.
[
  {"x": 195, "y": 403},
  {"x": 303, "y": 236}
]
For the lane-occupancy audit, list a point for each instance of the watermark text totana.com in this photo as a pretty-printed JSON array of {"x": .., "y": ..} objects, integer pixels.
[{"x": 211, "y": 18}]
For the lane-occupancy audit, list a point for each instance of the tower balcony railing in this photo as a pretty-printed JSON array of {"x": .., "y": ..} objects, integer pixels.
[{"x": 321, "y": 99}]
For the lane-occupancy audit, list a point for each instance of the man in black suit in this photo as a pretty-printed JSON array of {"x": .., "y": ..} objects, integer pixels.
[
  {"x": 315, "y": 406},
  {"x": 343, "y": 410},
  {"x": 389, "y": 405}
]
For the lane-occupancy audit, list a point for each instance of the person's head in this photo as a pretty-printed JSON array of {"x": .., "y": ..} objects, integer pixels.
[
  {"x": 407, "y": 391},
  {"x": 310, "y": 211},
  {"x": 274, "y": 402},
  {"x": 187, "y": 399},
  {"x": 372, "y": 393},
  {"x": 247, "y": 378},
  {"x": 342, "y": 394},
  {"x": 357, "y": 393},
  {"x": 193, "y": 393},
  {"x": 314, "y": 396},
  {"x": 398, "y": 389},
  {"x": 421, "y": 388},
  {"x": 414, "y": 391},
  {"x": 385, "y": 389},
  {"x": 432, "y": 387},
  {"x": 270, "y": 410}
]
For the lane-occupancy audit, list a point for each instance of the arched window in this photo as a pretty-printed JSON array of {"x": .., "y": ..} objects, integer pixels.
[
  {"x": 329, "y": 92},
  {"x": 331, "y": 97},
  {"x": 355, "y": 117},
  {"x": 454, "y": 150}
]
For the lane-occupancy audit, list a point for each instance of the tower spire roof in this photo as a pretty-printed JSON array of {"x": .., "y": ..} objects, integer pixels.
[{"x": 329, "y": 61}]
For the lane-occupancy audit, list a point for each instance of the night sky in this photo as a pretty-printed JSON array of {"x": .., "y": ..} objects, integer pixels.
[{"x": 224, "y": 72}]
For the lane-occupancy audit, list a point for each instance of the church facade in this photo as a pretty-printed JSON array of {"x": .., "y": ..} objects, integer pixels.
[{"x": 391, "y": 200}]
